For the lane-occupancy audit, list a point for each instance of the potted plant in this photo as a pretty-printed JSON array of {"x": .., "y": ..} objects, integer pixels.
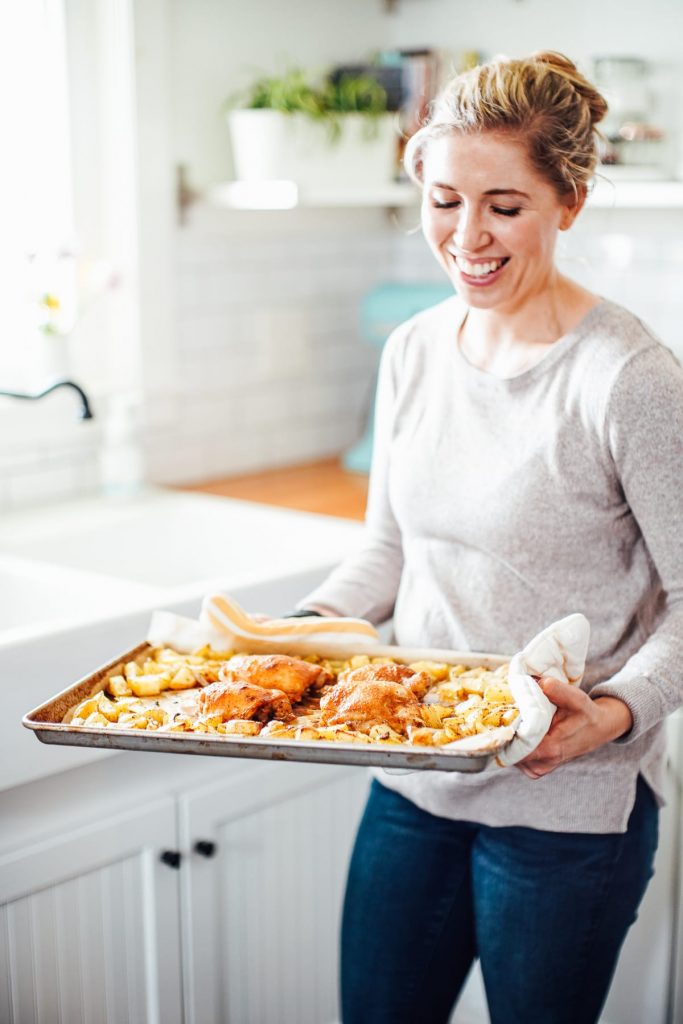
[{"x": 336, "y": 134}]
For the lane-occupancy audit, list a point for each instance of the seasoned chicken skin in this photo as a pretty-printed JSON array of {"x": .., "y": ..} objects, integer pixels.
[
  {"x": 230, "y": 699},
  {"x": 374, "y": 695},
  {"x": 277, "y": 671}
]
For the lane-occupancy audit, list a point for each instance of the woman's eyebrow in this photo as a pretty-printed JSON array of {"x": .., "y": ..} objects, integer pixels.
[
  {"x": 506, "y": 192},
  {"x": 489, "y": 192}
]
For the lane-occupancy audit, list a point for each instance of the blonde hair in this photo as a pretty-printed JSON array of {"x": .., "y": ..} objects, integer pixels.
[{"x": 542, "y": 100}]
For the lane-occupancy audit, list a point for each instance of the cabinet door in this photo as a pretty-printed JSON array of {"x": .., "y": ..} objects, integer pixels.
[
  {"x": 261, "y": 915},
  {"x": 640, "y": 990},
  {"x": 89, "y": 925}
]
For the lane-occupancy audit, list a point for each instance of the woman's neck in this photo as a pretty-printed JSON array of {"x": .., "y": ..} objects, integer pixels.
[{"x": 505, "y": 343}]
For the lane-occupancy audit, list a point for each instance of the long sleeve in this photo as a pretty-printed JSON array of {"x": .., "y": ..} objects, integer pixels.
[
  {"x": 365, "y": 585},
  {"x": 644, "y": 434}
]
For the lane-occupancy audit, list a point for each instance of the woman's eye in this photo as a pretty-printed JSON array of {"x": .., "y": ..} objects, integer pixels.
[
  {"x": 506, "y": 211},
  {"x": 440, "y": 205}
]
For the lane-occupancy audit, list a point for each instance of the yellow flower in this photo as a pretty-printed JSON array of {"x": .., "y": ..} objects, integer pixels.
[{"x": 51, "y": 302}]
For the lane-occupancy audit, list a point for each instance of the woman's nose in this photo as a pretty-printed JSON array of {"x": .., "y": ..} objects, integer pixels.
[{"x": 470, "y": 234}]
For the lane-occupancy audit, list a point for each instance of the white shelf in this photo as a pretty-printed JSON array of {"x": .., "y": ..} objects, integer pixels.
[
  {"x": 286, "y": 195},
  {"x": 636, "y": 195}
]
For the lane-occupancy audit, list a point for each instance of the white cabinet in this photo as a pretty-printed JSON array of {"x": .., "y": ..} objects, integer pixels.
[
  {"x": 261, "y": 912},
  {"x": 640, "y": 990},
  {"x": 92, "y": 921},
  {"x": 89, "y": 924}
]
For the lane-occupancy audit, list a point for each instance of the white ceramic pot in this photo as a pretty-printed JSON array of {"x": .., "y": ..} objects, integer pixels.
[
  {"x": 269, "y": 145},
  {"x": 51, "y": 360}
]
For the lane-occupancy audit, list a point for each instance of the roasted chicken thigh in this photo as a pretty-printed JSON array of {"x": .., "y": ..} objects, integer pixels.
[
  {"x": 292, "y": 676},
  {"x": 230, "y": 699},
  {"x": 375, "y": 695}
]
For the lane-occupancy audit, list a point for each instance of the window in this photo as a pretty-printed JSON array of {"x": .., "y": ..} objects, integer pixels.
[{"x": 37, "y": 246}]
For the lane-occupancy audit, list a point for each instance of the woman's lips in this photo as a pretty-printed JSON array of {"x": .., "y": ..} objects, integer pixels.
[{"x": 480, "y": 280}]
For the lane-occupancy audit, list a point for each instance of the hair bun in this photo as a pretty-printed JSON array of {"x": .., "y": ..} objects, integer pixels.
[{"x": 597, "y": 104}]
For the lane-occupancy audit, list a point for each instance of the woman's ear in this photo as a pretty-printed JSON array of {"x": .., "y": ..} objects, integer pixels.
[{"x": 572, "y": 208}]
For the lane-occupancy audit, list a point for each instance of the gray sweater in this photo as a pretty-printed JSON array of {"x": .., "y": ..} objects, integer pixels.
[{"x": 497, "y": 506}]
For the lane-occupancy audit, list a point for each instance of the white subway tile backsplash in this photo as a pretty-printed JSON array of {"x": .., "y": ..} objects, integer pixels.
[{"x": 52, "y": 480}]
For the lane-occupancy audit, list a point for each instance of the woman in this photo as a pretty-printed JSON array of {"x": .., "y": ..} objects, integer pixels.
[{"x": 528, "y": 464}]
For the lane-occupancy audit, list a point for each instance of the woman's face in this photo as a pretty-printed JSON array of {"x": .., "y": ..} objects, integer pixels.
[{"x": 490, "y": 219}]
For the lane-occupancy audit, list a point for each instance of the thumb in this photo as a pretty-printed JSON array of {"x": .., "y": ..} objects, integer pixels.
[{"x": 562, "y": 695}]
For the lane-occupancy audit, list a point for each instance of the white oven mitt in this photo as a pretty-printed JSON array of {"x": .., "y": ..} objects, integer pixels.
[
  {"x": 226, "y": 626},
  {"x": 222, "y": 614},
  {"x": 558, "y": 651}
]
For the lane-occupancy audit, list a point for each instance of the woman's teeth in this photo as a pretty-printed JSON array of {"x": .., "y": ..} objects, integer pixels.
[{"x": 479, "y": 269}]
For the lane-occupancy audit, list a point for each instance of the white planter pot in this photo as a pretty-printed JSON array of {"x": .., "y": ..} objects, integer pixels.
[
  {"x": 51, "y": 358},
  {"x": 269, "y": 145}
]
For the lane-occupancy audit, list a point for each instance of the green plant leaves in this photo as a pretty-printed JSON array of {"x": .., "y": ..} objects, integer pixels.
[{"x": 294, "y": 92}]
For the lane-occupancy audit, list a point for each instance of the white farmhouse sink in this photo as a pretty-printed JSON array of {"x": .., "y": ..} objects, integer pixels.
[
  {"x": 37, "y": 596},
  {"x": 167, "y": 539}
]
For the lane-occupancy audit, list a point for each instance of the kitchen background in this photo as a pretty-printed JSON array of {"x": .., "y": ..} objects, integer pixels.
[
  {"x": 216, "y": 341},
  {"x": 231, "y": 342}
]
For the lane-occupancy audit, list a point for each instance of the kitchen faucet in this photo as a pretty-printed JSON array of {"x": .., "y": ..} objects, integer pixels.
[{"x": 85, "y": 412}]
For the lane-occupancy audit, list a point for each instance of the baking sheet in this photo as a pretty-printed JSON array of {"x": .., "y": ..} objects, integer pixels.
[{"x": 46, "y": 721}]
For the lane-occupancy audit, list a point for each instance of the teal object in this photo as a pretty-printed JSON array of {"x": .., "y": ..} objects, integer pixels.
[{"x": 382, "y": 310}]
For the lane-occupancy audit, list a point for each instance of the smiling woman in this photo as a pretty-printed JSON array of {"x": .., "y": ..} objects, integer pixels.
[
  {"x": 501, "y": 175},
  {"x": 512, "y": 484},
  {"x": 493, "y": 230}
]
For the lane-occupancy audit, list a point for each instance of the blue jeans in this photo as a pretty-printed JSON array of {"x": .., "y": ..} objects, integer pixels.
[{"x": 545, "y": 912}]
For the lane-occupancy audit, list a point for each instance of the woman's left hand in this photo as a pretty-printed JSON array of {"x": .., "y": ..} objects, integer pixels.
[{"x": 578, "y": 726}]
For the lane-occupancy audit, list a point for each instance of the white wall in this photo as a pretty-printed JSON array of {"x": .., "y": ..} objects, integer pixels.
[{"x": 265, "y": 363}]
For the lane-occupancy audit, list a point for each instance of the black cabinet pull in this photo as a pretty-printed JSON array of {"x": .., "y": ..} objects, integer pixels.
[
  {"x": 171, "y": 858},
  {"x": 205, "y": 848}
]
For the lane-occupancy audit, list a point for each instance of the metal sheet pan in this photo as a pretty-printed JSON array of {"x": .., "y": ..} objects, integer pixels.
[{"x": 46, "y": 721}]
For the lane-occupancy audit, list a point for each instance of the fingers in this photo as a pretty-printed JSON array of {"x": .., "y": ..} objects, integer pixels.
[
  {"x": 534, "y": 769},
  {"x": 563, "y": 695},
  {"x": 547, "y": 756}
]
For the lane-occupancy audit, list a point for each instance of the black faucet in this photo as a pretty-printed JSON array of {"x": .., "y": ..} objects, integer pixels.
[{"x": 85, "y": 411}]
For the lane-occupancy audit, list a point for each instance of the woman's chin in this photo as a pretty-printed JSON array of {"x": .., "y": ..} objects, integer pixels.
[{"x": 480, "y": 298}]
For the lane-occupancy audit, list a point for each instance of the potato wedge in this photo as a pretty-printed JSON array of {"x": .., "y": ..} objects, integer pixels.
[
  {"x": 96, "y": 719},
  {"x": 436, "y": 669},
  {"x": 434, "y": 714},
  {"x": 240, "y": 727},
  {"x": 421, "y": 737},
  {"x": 118, "y": 686},
  {"x": 182, "y": 679},
  {"x": 147, "y": 686}
]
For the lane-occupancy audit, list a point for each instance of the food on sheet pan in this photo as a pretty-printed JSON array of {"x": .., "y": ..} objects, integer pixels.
[
  {"x": 233, "y": 699},
  {"x": 375, "y": 695},
  {"x": 292, "y": 676},
  {"x": 361, "y": 699}
]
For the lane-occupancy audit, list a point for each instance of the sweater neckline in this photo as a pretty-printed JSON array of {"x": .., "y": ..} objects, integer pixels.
[{"x": 556, "y": 352}]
